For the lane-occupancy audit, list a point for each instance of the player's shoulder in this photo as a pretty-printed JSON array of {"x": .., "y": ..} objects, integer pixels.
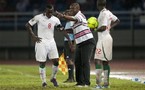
[
  {"x": 55, "y": 18},
  {"x": 39, "y": 15},
  {"x": 106, "y": 12},
  {"x": 69, "y": 22}
]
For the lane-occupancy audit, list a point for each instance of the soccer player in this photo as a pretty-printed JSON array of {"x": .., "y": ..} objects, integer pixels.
[
  {"x": 103, "y": 53},
  {"x": 69, "y": 55},
  {"x": 45, "y": 44},
  {"x": 85, "y": 44}
]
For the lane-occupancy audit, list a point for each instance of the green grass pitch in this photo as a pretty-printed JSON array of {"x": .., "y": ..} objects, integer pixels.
[{"x": 26, "y": 77}]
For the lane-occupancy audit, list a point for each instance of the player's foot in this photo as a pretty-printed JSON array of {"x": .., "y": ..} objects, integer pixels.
[
  {"x": 69, "y": 81},
  {"x": 105, "y": 86},
  {"x": 79, "y": 85},
  {"x": 44, "y": 84},
  {"x": 53, "y": 80},
  {"x": 86, "y": 85},
  {"x": 98, "y": 87}
]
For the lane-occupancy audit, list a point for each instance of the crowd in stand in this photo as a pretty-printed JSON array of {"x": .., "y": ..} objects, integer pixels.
[{"x": 86, "y": 5}]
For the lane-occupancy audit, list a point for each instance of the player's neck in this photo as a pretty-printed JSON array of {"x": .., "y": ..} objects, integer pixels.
[
  {"x": 103, "y": 9},
  {"x": 47, "y": 15}
]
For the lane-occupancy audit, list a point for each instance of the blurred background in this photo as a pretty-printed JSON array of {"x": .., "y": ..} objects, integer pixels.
[{"x": 15, "y": 43}]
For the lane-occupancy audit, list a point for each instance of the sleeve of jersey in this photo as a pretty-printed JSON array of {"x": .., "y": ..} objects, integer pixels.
[
  {"x": 58, "y": 22},
  {"x": 114, "y": 18},
  {"x": 77, "y": 17},
  {"x": 33, "y": 21},
  {"x": 104, "y": 20},
  {"x": 68, "y": 25},
  {"x": 58, "y": 25}
]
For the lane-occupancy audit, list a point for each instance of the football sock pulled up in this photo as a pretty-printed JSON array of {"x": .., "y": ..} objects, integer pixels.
[
  {"x": 54, "y": 71},
  {"x": 98, "y": 74},
  {"x": 70, "y": 71},
  {"x": 42, "y": 72},
  {"x": 106, "y": 69}
]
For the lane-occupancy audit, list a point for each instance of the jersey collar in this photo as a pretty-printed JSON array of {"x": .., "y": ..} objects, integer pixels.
[
  {"x": 46, "y": 16},
  {"x": 104, "y": 9}
]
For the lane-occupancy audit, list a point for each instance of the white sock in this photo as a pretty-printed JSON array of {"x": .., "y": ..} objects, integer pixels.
[
  {"x": 42, "y": 72},
  {"x": 98, "y": 76},
  {"x": 54, "y": 71},
  {"x": 106, "y": 77}
]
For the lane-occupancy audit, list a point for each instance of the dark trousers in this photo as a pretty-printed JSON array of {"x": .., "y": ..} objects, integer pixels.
[{"x": 82, "y": 63}]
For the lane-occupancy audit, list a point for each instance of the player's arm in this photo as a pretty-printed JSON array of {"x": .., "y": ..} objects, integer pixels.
[
  {"x": 114, "y": 23},
  {"x": 61, "y": 28},
  {"x": 101, "y": 29},
  {"x": 67, "y": 17},
  {"x": 69, "y": 31},
  {"x": 31, "y": 33},
  {"x": 103, "y": 23}
]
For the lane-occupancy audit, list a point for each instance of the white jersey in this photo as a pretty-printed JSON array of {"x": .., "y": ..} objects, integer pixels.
[
  {"x": 105, "y": 18},
  {"x": 80, "y": 29},
  {"x": 105, "y": 41},
  {"x": 69, "y": 25},
  {"x": 45, "y": 30},
  {"x": 45, "y": 25}
]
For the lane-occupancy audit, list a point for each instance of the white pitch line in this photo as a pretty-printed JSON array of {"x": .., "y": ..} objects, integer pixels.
[
  {"x": 18, "y": 72},
  {"x": 125, "y": 75}
]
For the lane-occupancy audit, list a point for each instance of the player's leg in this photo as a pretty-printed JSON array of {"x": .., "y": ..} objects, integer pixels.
[
  {"x": 54, "y": 72},
  {"x": 98, "y": 63},
  {"x": 106, "y": 68},
  {"x": 98, "y": 66},
  {"x": 69, "y": 61},
  {"x": 71, "y": 64},
  {"x": 42, "y": 71},
  {"x": 86, "y": 54},
  {"x": 78, "y": 66},
  {"x": 107, "y": 51},
  {"x": 71, "y": 70},
  {"x": 41, "y": 55},
  {"x": 53, "y": 56}
]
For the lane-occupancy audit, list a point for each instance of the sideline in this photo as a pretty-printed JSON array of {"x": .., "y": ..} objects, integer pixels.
[{"x": 134, "y": 76}]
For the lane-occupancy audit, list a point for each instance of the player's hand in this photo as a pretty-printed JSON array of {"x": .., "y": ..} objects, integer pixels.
[
  {"x": 72, "y": 47},
  {"x": 59, "y": 15},
  {"x": 36, "y": 39}
]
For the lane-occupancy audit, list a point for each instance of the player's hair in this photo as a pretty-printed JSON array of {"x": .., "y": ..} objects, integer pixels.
[
  {"x": 75, "y": 5},
  {"x": 102, "y": 2},
  {"x": 49, "y": 6}
]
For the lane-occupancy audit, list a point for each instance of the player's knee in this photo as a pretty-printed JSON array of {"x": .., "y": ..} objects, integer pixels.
[
  {"x": 105, "y": 63},
  {"x": 55, "y": 62},
  {"x": 69, "y": 61},
  {"x": 99, "y": 62},
  {"x": 42, "y": 64}
]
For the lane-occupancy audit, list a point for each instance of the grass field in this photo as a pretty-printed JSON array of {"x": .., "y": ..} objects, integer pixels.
[{"x": 26, "y": 77}]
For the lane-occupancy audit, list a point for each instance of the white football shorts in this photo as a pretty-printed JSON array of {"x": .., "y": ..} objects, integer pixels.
[
  {"x": 44, "y": 49},
  {"x": 104, "y": 48}
]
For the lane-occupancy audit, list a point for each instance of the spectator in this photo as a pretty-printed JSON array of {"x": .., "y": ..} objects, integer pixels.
[
  {"x": 3, "y": 5},
  {"x": 22, "y": 5}
]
